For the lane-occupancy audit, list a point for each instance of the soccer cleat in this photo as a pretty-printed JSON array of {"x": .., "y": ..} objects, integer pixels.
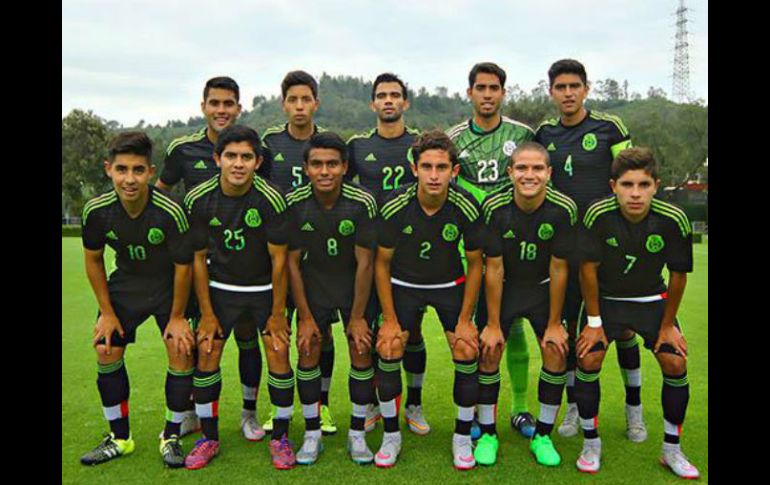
[
  {"x": 544, "y": 451},
  {"x": 312, "y": 446},
  {"x": 388, "y": 453},
  {"x": 328, "y": 426},
  {"x": 282, "y": 454},
  {"x": 636, "y": 431},
  {"x": 475, "y": 429},
  {"x": 673, "y": 459},
  {"x": 570, "y": 425},
  {"x": 415, "y": 420},
  {"x": 590, "y": 458},
  {"x": 462, "y": 452},
  {"x": 486, "y": 450},
  {"x": 204, "y": 451},
  {"x": 109, "y": 448},
  {"x": 372, "y": 416},
  {"x": 250, "y": 427},
  {"x": 171, "y": 451},
  {"x": 267, "y": 426},
  {"x": 190, "y": 423},
  {"x": 358, "y": 449},
  {"x": 524, "y": 423}
]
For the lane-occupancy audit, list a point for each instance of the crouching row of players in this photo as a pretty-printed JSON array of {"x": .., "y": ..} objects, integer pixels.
[{"x": 241, "y": 245}]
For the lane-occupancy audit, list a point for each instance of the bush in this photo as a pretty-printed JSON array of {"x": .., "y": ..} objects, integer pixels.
[{"x": 70, "y": 231}]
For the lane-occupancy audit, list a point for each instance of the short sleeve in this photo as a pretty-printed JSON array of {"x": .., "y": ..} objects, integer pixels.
[
  {"x": 92, "y": 231},
  {"x": 172, "y": 167}
]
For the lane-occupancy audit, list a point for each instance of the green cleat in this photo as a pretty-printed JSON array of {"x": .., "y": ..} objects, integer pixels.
[
  {"x": 328, "y": 426},
  {"x": 486, "y": 450},
  {"x": 108, "y": 449},
  {"x": 544, "y": 451}
]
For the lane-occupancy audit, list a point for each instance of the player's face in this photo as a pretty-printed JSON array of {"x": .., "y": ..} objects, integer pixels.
[
  {"x": 300, "y": 105},
  {"x": 568, "y": 93},
  {"x": 486, "y": 95},
  {"x": 434, "y": 170},
  {"x": 325, "y": 169},
  {"x": 220, "y": 108},
  {"x": 530, "y": 173},
  {"x": 389, "y": 102},
  {"x": 130, "y": 175},
  {"x": 238, "y": 163},
  {"x": 635, "y": 190}
]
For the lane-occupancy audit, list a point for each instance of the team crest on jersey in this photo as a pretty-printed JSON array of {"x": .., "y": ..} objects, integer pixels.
[
  {"x": 545, "y": 231},
  {"x": 155, "y": 236},
  {"x": 589, "y": 142},
  {"x": 346, "y": 227},
  {"x": 509, "y": 147},
  {"x": 252, "y": 218},
  {"x": 450, "y": 232},
  {"x": 654, "y": 243}
]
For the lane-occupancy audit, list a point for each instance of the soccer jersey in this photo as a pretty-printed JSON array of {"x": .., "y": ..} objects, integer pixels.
[
  {"x": 146, "y": 246},
  {"x": 632, "y": 256},
  {"x": 581, "y": 155},
  {"x": 328, "y": 238},
  {"x": 485, "y": 156},
  {"x": 526, "y": 241},
  {"x": 382, "y": 164},
  {"x": 236, "y": 231},
  {"x": 190, "y": 159},
  {"x": 282, "y": 153},
  {"x": 426, "y": 247}
]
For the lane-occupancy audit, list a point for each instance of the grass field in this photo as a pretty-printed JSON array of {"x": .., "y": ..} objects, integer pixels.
[{"x": 427, "y": 459}]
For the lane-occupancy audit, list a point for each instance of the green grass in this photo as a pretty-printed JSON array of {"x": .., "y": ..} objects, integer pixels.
[{"x": 425, "y": 458}]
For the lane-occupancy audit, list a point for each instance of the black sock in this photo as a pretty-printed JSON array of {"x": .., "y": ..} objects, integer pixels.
[
  {"x": 415, "y": 359},
  {"x": 588, "y": 394},
  {"x": 630, "y": 368},
  {"x": 179, "y": 385},
  {"x": 250, "y": 370},
  {"x": 361, "y": 394},
  {"x": 327, "y": 367},
  {"x": 489, "y": 391},
  {"x": 571, "y": 367},
  {"x": 549, "y": 390},
  {"x": 674, "y": 397},
  {"x": 309, "y": 388},
  {"x": 465, "y": 393},
  {"x": 112, "y": 382},
  {"x": 281, "y": 389},
  {"x": 206, "y": 388},
  {"x": 389, "y": 392}
]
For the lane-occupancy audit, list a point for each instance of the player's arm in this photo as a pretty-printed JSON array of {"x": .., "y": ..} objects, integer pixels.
[
  {"x": 108, "y": 322},
  {"x": 163, "y": 186},
  {"x": 172, "y": 171},
  {"x": 555, "y": 332},
  {"x": 277, "y": 325},
  {"x": 209, "y": 323},
  {"x": 593, "y": 331},
  {"x": 492, "y": 335},
  {"x": 358, "y": 328},
  {"x": 390, "y": 330},
  {"x": 307, "y": 329},
  {"x": 466, "y": 329}
]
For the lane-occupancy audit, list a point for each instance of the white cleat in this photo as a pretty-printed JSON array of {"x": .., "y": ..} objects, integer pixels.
[
  {"x": 372, "y": 416},
  {"x": 250, "y": 427},
  {"x": 462, "y": 452},
  {"x": 311, "y": 448},
  {"x": 589, "y": 460},
  {"x": 388, "y": 453},
  {"x": 415, "y": 419},
  {"x": 358, "y": 449},
  {"x": 636, "y": 431},
  {"x": 190, "y": 424},
  {"x": 570, "y": 426},
  {"x": 673, "y": 459}
]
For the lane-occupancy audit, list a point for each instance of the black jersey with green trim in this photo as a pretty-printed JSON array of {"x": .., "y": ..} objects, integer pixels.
[
  {"x": 581, "y": 155},
  {"x": 427, "y": 247},
  {"x": 526, "y": 241},
  {"x": 190, "y": 159},
  {"x": 327, "y": 239},
  {"x": 632, "y": 256},
  {"x": 382, "y": 164},
  {"x": 146, "y": 246},
  {"x": 485, "y": 156},
  {"x": 236, "y": 230},
  {"x": 283, "y": 159}
]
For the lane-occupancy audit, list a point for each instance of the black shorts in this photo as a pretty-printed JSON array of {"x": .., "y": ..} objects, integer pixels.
[
  {"x": 532, "y": 303},
  {"x": 573, "y": 298},
  {"x": 410, "y": 305},
  {"x": 642, "y": 318},
  {"x": 248, "y": 310}
]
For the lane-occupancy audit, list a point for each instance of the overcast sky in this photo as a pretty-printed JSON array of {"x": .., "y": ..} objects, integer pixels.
[{"x": 148, "y": 59}]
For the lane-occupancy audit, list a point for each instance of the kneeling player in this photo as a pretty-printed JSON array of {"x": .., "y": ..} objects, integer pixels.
[
  {"x": 331, "y": 262},
  {"x": 239, "y": 238},
  {"x": 153, "y": 276},
  {"x": 418, "y": 264},
  {"x": 625, "y": 242},
  {"x": 531, "y": 234}
]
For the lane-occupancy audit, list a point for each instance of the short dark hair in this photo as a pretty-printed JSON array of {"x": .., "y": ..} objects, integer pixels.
[
  {"x": 326, "y": 139},
  {"x": 236, "y": 134},
  {"x": 133, "y": 142},
  {"x": 299, "y": 78},
  {"x": 532, "y": 146},
  {"x": 634, "y": 158},
  {"x": 566, "y": 66},
  {"x": 387, "y": 77},
  {"x": 222, "y": 82},
  {"x": 434, "y": 140},
  {"x": 488, "y": 68}
]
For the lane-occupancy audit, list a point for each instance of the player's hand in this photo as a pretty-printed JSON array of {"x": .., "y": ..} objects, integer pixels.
[
  {"x": 361, "y": 334},
  {"x": 207, "y": 328},
  {"x": 588, "y": 338},
  {"x": 491, "y": 338},
  {"x": 670, "y": 334},
  {"x": 468, "y": 333},
  {"x": 389, "y": 332},
  {"x": 278, "y": 328},
  {"x": 557, "y": 335},
  {"x": 182, "y": 339},
  {"x": 105, "y": 326},
  {"x": 307, "y": 332}
]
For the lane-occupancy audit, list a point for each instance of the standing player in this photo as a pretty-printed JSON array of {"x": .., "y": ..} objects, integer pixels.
[
  {"x": 418, "y": 264},
  {"x": 380, "y": 158},
  {"x": 284, "y": 145},
  {"x": 582, "y": 144},
  {"x": 147, "y": 230},
  {"x": 239, "y": 272},
  {"x": 626, "y": 240},
  {"x": 331, "y": 262},
  {"x": 531, "y": 234},
  {"x": 486, "y": 142}
]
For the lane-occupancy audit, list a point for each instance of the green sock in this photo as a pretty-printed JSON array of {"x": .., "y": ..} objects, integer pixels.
[{"x": 517, "y": 361}]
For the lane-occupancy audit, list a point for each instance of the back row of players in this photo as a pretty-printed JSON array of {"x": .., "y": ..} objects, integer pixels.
[{"x": 481, "y": 191}]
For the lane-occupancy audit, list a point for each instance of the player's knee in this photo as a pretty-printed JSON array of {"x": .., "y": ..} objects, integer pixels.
[
  {"x": 104, "y": 358},
  {"x": 463, "y": 351},
  {"x": 592, "y": 361},
  {"x": 277, "y": 349},
  {"x": 361, "y": 361},
  {"x": 553, "y": 359},
  {"x": 671, "y": 364}
]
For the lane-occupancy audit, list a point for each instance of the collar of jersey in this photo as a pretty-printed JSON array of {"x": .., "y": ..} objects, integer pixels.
[{"x": 475, "y": 129}]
